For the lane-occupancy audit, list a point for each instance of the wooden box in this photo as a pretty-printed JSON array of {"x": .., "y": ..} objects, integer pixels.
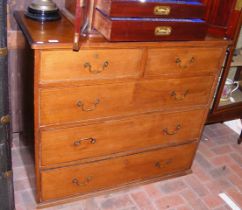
[
  {"x": 152, "y": 8},
  {"x": 149, "y": 29}
]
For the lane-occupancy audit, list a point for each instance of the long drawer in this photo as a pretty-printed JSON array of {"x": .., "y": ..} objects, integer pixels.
[
  {"x": 90, "y": 64},
  {"x": 69, "y": 144},
  {"x": 183, "y": 60},
  {"x": 149, "y": 29},
  {"x": 86, "y": 178},
  {"x": 75, "y": 104}
]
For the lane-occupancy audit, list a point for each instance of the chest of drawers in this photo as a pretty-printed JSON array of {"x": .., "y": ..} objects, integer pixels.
[{"x": 114, "y": 115}]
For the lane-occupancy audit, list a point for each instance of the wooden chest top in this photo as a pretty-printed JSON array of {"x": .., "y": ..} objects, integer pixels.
[{"x": 59, "y": 34}]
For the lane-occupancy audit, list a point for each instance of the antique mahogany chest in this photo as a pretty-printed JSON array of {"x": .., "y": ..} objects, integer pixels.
[{"x": 115, "y": 114}]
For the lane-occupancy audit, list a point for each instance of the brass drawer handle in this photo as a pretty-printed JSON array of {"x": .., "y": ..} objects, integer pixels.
[
  {"x": 76, "y": 182},
  {"x": 180, "y": 64},
  {"x": 91, "y": 140},
  {"x": 179, "y": 97},
  {"x": 96, "y": 71},
  {"x": 160, "y": 165},
  {"x": 171, "y": 133},
  {"x": 163, "y": 31},
  {"x": 5, "y": 119},
  {"x": 88, "y": 109},
  {"x": 162, "y": 10}
]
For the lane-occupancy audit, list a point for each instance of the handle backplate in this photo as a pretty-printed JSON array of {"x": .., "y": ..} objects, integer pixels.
[
  {"x": 79, "y": 183},
  {"x": 90, "y": 140},
  {"x": 183, "y": 65},
  {"x": 179, "y": 97},
  {"x": 88, "y": 66},
  {"x": 87, "y": 108},
  {"x": 162, "y": 164},
  {"x": 174, "y": 132}
]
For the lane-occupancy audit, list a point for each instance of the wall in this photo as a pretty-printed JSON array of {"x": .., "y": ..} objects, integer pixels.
[{"x": 16, "y": 72}]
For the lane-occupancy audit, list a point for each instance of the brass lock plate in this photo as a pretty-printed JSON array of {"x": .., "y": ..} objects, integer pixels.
[{"x": 163, "y": 31}]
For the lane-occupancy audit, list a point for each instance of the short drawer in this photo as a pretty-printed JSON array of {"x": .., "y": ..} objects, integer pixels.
[
  {"x": 69, "y": 144},
  {"x": 89, "y": 64},
  {"x": 96, "y": 176},
  {"x": 183, "y": 60},
  {"x": 82, "y": 103},
  {"x": 155, "y": 9}
]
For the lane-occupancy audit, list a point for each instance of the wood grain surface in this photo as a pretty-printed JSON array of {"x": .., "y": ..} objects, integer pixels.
[
  {"x": 90, "y": 65},
  {"x": 107, "y": 138},
  {"x": 129, "y": 123},
  {"x": 81, "y": 179},
  {"x": 69, "y": 105}
]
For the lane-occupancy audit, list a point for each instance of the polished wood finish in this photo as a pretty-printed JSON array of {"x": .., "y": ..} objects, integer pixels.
[
  {"x": 182, "y": 61},
  {"x": 222, "y": 17},
  {"x": 121, "y": 120},
  {"x": 84, "y": 142},
  {"x": 85, "y": 10},
  {"x": 222, "y": 10},
  {"x": 82, "y": 68},
  {"x": 62, "y": 182},
  {"x": 70, "y": 5},
  {"x": 132, "y": 8},
  {"x": 63, "y": 31},
  {"x": 65, "y": 105},
  {"x": 90, "y": 65},
  {"x": 139, "y": 30},
  {"x": 60, "y": 32}
]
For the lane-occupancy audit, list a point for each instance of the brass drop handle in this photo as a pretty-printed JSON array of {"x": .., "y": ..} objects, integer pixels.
[
  {"x": 85, "y": 108},
  {"x": 160, "y": 165},
  {"x": 171, "y": 133},
  {"x": 88, "y": 66},
  {"x": 184, "y": 66},
  {"x": 179, "y": 97},
  {"x": 79, "y": 142},
  {"x": 76, "y": 181}
]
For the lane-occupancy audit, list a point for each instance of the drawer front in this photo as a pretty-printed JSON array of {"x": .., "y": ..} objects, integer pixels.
[
  {"x": 64, "y": 145},
  {"x": 89, "y": 64},
  {"x": 101, "y": 101},
  {"x": 149, "y": 29},
  {"x": 183, "y": 60},
  {"x": 85, "y": 178},
  {"x": 158, "y": 9}
]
